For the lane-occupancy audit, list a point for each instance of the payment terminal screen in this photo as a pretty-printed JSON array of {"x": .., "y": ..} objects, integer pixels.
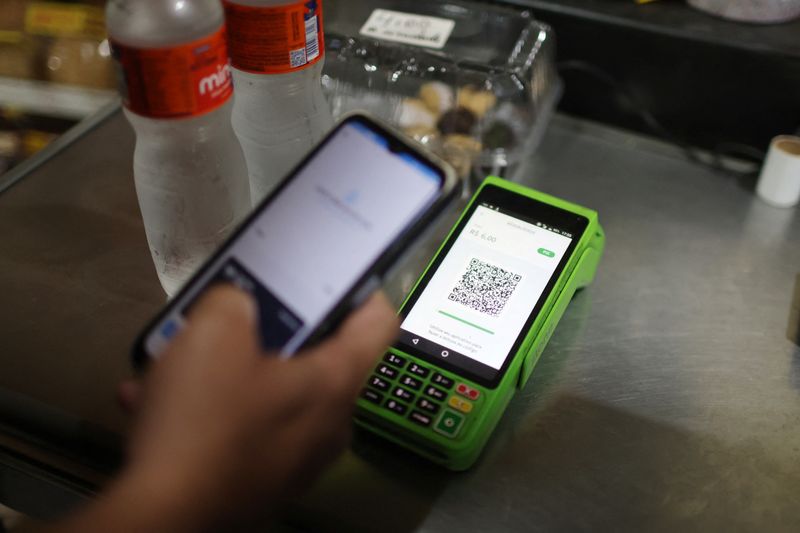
[
  {"x": 317, "y": 237},
  {"x": 475, "y": 305}
]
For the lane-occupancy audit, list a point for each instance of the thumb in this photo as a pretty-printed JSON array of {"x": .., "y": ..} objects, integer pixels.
[{"x": 222, "y": 321}]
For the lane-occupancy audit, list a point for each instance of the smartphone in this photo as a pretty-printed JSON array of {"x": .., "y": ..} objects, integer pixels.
[
  {"x": 320, "y": 243},
  {"x": 477, "y": 320}
]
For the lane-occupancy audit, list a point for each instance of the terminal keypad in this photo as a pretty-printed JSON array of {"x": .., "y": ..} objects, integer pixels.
[{"x": 420, "y": 394}]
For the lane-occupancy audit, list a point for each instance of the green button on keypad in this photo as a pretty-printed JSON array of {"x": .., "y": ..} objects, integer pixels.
[{"x": 449, "y": 423}]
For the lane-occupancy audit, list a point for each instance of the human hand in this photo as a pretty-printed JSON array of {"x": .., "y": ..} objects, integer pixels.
[{"x": 224, "y": 432}]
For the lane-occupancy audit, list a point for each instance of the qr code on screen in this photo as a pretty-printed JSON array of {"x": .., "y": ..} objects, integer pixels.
[
  {"x": 297, "y": 58},
  {"x": 484, "y": 287}
]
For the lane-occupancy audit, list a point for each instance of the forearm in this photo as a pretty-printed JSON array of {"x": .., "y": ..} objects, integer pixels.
[{"x": 140, "y": 501}]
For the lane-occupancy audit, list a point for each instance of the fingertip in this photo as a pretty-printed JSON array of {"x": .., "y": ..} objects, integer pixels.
[
  {"x": 376, "y": 318},
  {"x": 223, "y": 320},
  {"x": 365, "y": 334},
  {"x": 228, "y": 300},
  {"x": 341, "y": 363},
  {"x": 380, "y": 303}
]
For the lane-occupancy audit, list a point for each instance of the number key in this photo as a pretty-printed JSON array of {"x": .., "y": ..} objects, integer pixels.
[
  {"x": 396, "y": 360},
  {"x": 403, "y": 394},
  {"x": 427, "y": 405},
  {"x": 410, "y": 382},
  {"x": 421, "y": 371},
  {"x": 435, "y": 393},
  {"x": 442, "y": 380},
  {"x": 387, "y": 371},
  {"x": 397, "y": 407},
  {"x": 378, "y": 383}
]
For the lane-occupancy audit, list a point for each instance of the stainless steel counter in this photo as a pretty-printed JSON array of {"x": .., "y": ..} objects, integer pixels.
[{"x": 668, "y": 397}]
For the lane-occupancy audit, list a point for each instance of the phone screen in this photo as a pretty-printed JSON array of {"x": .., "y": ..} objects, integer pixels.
[
  {"x": 477, "y": 301},
  {"x": 310, "y": 243}
]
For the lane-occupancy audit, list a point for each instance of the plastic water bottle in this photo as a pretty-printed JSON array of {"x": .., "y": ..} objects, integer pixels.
[
  {"x": 279, "y": 111},
  {"x": 189, "y": 170}
]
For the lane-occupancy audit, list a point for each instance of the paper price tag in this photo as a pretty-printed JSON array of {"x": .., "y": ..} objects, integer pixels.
[{"x": 408, "y": 28}]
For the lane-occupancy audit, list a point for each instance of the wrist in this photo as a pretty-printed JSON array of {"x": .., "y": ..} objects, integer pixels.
[
  {"x": 141, "y": 500},
  {"x": 163, "y": 499}
]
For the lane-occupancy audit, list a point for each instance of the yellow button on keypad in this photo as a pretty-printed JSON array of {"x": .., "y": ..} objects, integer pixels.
[{"x": 457, "y": 403}]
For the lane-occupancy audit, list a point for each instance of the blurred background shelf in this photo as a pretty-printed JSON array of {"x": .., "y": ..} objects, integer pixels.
[
  {"x": 52, "y": 99},
  {"x": 55, "y": 71}
]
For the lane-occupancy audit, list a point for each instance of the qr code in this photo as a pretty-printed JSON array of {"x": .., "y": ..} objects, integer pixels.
[
  {"x": 484, "y": 287},
  {"x": 297, "y": 58}
]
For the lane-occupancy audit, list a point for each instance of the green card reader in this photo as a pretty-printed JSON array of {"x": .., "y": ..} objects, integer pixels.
[{"x": 477, "y": 320}]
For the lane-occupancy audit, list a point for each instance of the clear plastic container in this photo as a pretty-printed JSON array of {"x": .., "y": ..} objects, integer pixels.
[{"x": 481, "y": 97}]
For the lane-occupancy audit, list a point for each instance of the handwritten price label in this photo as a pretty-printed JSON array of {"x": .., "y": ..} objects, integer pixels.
[{"x": 408, "y": 28}]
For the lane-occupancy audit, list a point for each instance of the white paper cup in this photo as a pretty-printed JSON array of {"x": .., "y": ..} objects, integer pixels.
[{"x": 779, "y": 182}]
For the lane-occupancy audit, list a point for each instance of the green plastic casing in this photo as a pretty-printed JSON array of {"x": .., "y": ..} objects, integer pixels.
[{"x": 461, "y": 452}]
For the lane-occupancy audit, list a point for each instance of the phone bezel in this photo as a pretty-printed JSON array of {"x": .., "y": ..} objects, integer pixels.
[
  {"x": 446, "y": 193},
  {"x": 513, "y": 204}
]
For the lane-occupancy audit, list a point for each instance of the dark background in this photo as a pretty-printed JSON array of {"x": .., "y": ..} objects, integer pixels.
[{"x": 705, "y": 79}]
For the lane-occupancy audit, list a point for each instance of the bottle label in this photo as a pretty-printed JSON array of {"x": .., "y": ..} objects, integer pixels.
[
  {"x": 277, "y": 39},
  {"x": 178, "y": 81}
]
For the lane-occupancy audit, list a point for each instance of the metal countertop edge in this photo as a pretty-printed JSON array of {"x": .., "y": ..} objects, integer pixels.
[{"x": 69, "y": 137}]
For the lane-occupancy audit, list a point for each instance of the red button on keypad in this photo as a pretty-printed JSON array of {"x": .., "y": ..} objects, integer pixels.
[{"x": 467, "y": 391}]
